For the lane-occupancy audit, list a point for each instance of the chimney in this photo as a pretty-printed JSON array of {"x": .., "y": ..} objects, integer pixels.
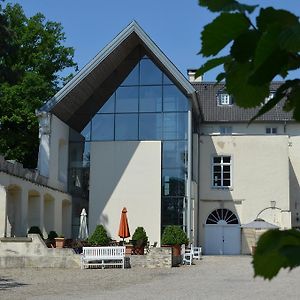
[{"x": 191, "y": 76}]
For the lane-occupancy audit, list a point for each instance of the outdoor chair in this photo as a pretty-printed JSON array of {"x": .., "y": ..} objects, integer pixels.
[
  {"x": 186, "y": 256},
  {"x": 196, "y": 252}
]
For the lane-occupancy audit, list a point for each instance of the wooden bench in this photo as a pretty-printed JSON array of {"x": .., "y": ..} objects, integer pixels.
[{"x": 103, "y": 256}]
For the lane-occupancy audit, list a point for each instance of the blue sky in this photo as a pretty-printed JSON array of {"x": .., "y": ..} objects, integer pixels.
[{"x": 174, "y": 26}]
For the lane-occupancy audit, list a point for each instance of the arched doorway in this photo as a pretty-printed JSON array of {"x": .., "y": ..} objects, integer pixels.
[
  {"x": 14, "y": 211},
  {"x": 222, "y": 233}
]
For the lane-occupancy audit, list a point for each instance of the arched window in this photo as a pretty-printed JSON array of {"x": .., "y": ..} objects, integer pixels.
[{"x": 222, "y": 216}]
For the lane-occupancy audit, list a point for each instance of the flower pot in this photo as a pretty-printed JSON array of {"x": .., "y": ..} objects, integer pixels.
[
  {"x": 59, "y": 242},
  {"x": 176, "y": 250},
  {"x": 139, "y": 250},
  {"x": 129, "y": 249},
  {"x": 253, "y": 248}
]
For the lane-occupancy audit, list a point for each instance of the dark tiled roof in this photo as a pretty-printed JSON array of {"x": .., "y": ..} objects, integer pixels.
[{"x": 212, "y": 112}]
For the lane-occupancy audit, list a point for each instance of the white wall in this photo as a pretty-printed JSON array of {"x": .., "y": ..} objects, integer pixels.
[
  {"x": 260, "y": 174},
  {"x": 126, "y": 174},
  {"x": 58, "y": 162}
]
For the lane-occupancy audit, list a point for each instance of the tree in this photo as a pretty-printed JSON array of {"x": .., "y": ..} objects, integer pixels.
[
  {"x": 257, "y": 52},
  {"x": 32, "y": 55}
]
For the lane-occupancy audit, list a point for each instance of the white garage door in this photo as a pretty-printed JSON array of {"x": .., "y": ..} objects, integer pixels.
[{"x": 222, "y": 233}]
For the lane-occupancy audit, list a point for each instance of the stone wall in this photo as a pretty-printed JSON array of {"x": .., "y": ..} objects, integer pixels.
[
  {"x": 156, "y": 258},
  {"x": 15, "y": 168},
  {"x": 32, "y": 252}
]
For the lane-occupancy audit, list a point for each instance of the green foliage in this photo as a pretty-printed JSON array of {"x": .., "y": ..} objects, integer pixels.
[
  {"x": 52, "y": 235},
  {"x": 140, "y": 235},
  {"x": 32, "y": 55},
  {"x": 174, "y": 235},
  {"x": 37, "y": 230},
  {"x": 257, "y": 53},
  {"x": 99, "y": 237},
  {"x": 275, "y": 250}
]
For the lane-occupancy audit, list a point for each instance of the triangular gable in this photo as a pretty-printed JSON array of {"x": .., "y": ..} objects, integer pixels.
[{"x": 103, "y": 74}]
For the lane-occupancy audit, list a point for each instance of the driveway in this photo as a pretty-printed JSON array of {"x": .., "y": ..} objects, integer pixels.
[{"x": 214, "y": 277}]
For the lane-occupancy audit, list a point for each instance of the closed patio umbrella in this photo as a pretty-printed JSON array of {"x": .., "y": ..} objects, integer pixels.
[
  {"x": 124, "y": 228},
  {"x": 83, "y": 229}
]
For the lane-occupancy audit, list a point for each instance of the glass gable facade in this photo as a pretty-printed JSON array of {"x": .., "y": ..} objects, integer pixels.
[{"x": 148, "y": 106}]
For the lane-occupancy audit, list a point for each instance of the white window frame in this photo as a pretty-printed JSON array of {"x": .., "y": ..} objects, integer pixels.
[
  {"x": 221, "y": 164},
  {"x": 272, "y": 130},
  {"x": 224, "y": 99}
]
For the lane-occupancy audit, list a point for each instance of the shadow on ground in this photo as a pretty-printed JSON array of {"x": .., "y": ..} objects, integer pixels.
[{"x": 9, "y": 283}]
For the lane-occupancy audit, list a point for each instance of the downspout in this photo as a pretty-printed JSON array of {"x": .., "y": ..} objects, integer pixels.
[{"x": 189, "y": 175}]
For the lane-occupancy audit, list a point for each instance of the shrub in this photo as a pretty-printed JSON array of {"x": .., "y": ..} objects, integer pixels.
[
  {"x": 174, "y": 235},
  {"x": 99, "y": 237},
  {"x": 52, "y": 235},
  {"x": 36, "y": 229},
  {"x": 140, "y": 235}
]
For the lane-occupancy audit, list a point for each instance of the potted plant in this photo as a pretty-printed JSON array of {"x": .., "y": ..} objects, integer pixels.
[
  {"x": 37, "y": 230},
  {"x": 51, "y": 239},
  {"x": 59, "y": 241},
  {"x": 174, "y": 236},
  {"x": 140, "y": 240},
  {"x": 99, "y": 237}
]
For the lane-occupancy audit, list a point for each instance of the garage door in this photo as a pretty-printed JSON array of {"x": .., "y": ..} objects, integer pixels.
[{"x": 222, "y": 233}]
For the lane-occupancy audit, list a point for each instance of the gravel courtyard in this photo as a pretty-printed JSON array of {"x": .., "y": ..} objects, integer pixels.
[{"x": 211, "y": 278}]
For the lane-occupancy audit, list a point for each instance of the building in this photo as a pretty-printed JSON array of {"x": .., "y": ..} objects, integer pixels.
[{"x": 130, "y": 130}]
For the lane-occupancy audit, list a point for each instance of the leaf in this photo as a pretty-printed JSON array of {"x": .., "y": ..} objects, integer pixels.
[
  {"x": 268, "y": 106},
  {"x": 270, "y": 16},
  {"x": 210, "y": 64},
  {"x": 220, "y": 77},
  {"x": 275, "y": 250},
  {"x": 245, "y": 94},
  {"x": 226, "y": 5},
  {"x": 274, "y": 64},
  {"x": 221, "y": 31},
  {"x": 244, "y": 46},
  {"x": 267, "y": 44},
  {"x": 289, "y": 39}
]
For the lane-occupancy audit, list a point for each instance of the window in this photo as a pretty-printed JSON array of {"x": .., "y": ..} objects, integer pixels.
[
  {"x": 225, "y": 130},
  {"x": 221, "y": 171},
  {"x": 271, "y": 130},
  {"x": 224, "y": 99}
]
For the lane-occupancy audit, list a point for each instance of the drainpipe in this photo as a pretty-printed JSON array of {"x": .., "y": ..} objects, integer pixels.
[{"x": 189, "y": 175}]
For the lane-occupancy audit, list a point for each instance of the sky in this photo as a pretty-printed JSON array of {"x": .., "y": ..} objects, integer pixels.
[{"x": 174, "y": 25}]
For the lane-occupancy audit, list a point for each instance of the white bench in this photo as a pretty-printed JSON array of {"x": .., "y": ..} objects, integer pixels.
[{"x": 103, "y": 256}]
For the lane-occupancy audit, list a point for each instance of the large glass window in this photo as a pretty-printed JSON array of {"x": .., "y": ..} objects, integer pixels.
[
  {"x": 103, "y": 127},
  {"x": 150, "y": 127},
  {"x": 150, "y": 74},
  {"x": 175, "y": 154},
  {"x": 86, "y": 132},
  {"x": 126, "y": 127},
  {"x": 133, "y": 77},
  {"x": 173, "y": 182},
  {"x": 175, "y": 126},
  {"x": 109, "y": 106},
  {"x": 174, "y": 100},
  {"x": 150, "y": 99},
  {"x": 127, "y": 99}
]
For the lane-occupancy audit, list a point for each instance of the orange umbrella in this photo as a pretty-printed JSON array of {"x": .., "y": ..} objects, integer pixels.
[{"x": 124, "y": 228}]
